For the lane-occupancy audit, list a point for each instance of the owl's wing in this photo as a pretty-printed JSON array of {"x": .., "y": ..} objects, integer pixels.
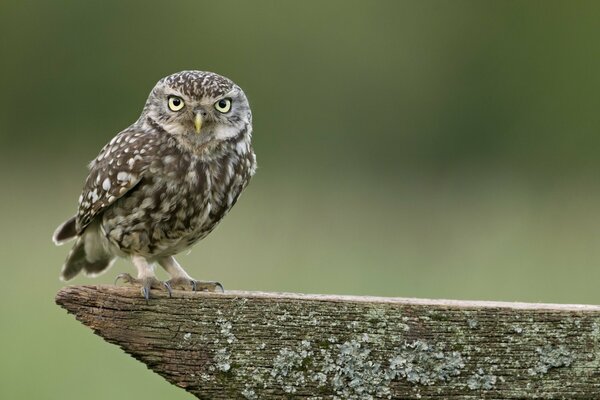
[{"x": 120, "y": 166}]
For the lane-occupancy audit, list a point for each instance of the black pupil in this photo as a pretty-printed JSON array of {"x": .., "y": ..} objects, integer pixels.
[
  {"x": 176, "y": 101},
  {"x": 223, "y": 103}
]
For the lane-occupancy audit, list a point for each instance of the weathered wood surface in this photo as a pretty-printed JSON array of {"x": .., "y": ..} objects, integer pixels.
[{"x": 273, "y": 345}]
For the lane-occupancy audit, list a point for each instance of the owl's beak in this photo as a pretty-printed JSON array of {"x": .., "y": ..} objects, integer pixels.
[{"x": 198, "y": 122}]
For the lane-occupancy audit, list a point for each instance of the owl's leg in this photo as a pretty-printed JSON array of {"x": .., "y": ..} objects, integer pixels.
[
  {"x": 146, "y": 278},
  {"x": 180, "y": 278}
]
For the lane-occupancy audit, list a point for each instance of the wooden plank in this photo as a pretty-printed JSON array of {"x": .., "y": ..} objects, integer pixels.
[{"x": 253, "y": 345}]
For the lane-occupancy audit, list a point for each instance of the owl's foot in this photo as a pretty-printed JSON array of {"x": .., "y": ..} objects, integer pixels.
[
  {"x": 189, "y": 283},
  {"x": 146, "y": 284},
  {"x": 180, "y": 278}
]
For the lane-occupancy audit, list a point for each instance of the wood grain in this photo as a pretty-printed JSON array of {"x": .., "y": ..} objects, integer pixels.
[{"x": 252, "y": 345}]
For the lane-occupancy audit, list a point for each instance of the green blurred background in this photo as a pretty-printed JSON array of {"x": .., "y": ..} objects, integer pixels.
[{"x": 428, "y": 149}]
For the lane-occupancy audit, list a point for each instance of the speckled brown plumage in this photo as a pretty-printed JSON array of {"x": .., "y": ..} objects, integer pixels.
[{"x": 164, "y": 183}]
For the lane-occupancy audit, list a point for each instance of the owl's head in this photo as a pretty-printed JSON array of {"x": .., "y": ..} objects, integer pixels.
[{"x": 199, "y": 106}]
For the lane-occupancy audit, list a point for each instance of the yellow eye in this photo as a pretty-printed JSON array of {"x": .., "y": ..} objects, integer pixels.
[
  {"x": 175, "y": 103},
  {"x": 223, "y": 105}
]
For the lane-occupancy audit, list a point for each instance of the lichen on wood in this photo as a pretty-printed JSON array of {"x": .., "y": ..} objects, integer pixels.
[{"x": 252, "y": 345}]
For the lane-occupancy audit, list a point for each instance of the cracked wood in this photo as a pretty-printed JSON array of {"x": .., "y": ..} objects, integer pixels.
[{"x": 252, "y": 345}]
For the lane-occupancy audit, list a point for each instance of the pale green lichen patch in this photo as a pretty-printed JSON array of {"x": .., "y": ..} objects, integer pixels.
[
  {"x": 222, "y": 360},
  {"x": 249, "y": 394},
  {"x": 480, "y": 380},
  {"x": 419, "y": 362},
  {"x": 517, "y": 329},
  {"x": 353, "y": 371},
  {"x": 225, "y": 330},
  {"x": 319, "y": 378},
  {"x": 222, "y": 356},
  {"x": 353, "y": 374},
  {"x": 472, "y": 323},
  {"x": 288, "y": 367},
  {"x": 596, "y": 330},
  {"x": 551, "y": 357}
]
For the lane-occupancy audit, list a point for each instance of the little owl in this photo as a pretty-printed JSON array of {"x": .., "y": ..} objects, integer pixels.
[{"x": 164, "y": 183}]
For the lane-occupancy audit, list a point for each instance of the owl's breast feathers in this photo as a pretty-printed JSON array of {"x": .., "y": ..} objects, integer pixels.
[{"x": 153, "y": 196}]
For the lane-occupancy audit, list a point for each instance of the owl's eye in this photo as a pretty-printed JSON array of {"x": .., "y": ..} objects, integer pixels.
[
  {"x": 223, "y": 105},
  {"x": 175, "y": 103}
]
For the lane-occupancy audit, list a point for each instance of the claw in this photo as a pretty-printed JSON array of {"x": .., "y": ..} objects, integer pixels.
[
  {"x": 169, "y": 289},
  {"x": 146, "y": 284},
  {"x": 146, "y": 293},
  {"x": 126, "y": 278},
  {"x": 208, "y": 286}
]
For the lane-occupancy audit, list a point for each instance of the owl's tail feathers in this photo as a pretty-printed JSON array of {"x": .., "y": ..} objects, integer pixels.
[
  {"x": 88, "y": 255},
  {"x": 65, "y": 232}
]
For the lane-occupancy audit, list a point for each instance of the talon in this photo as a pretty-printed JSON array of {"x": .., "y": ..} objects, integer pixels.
[
  {"x": 146, "y": 284},
  {"x": 168, "y": 287},
  {"x": 146, "y": 293},
  {"x": 208, "y": 286},
  {"x": 125, "y": 276}
]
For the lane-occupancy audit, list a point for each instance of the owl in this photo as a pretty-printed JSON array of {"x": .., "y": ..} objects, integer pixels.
[{"x": 164, "y": 183}]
